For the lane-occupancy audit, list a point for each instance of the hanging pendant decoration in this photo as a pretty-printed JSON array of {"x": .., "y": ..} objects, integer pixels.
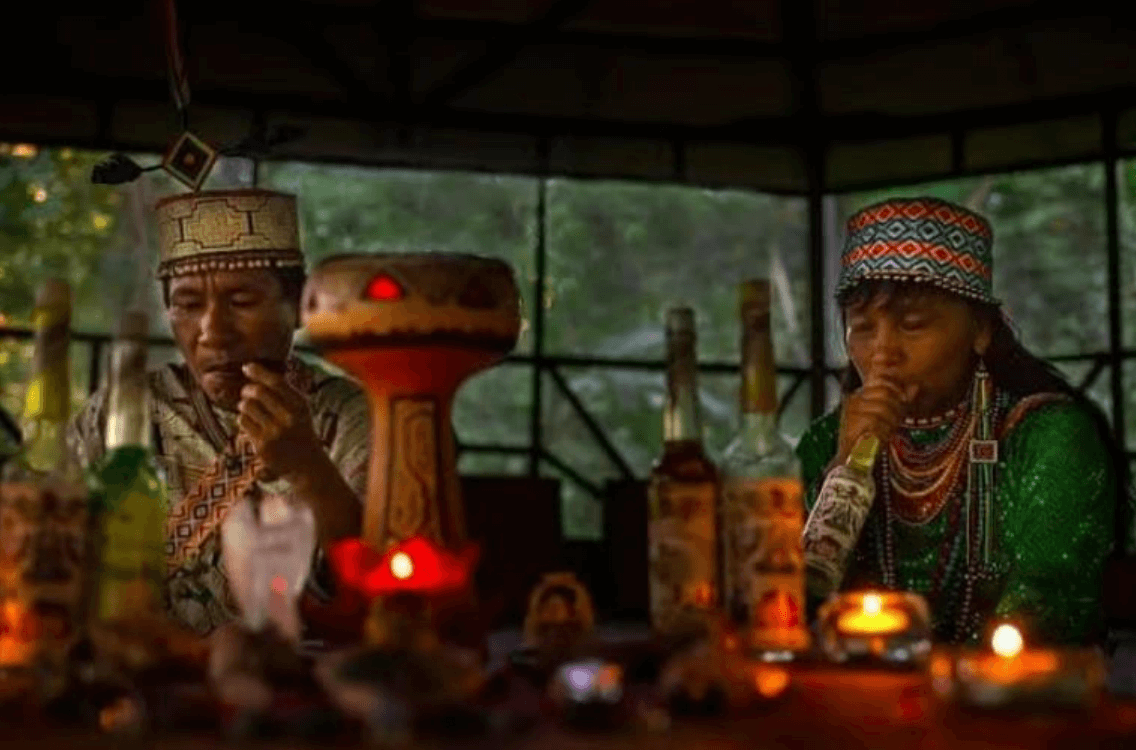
[
  {"x": 190, "y": 160},
  {"x": 983, "y": 457}
]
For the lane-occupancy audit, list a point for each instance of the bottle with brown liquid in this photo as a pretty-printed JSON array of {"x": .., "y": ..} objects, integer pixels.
[
  {"x": 763, "y": 502},
  {"x": 682, "y": 493}
]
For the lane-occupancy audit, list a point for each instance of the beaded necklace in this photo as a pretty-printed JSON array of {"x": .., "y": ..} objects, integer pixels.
[{"x": 919, "y": 481}]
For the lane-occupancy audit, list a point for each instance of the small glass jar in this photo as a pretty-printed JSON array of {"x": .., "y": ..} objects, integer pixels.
[
  {"x": 1011, "y": 676},
  {"x": 884, "y": 628}
]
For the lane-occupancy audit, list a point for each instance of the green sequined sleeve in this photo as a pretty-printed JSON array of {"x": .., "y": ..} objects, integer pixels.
[{"x": 1055, "y": 513}]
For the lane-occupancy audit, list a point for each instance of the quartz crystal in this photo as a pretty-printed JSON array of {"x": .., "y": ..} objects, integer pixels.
[{"x": 267, "y": 548}]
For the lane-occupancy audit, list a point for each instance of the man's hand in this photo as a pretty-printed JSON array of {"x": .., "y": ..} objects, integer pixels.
[{"x": 277, "y": 419}]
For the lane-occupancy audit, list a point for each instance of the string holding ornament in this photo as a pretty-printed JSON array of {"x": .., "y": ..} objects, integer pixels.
[{"x": 190, "y": 159}]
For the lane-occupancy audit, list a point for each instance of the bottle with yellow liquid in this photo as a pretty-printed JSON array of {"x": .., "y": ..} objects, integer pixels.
[
  {"x": 834, "y": 526},
  {"x": 129, "y": 490},
  {"x": 763, "y": 502},
  {"x": 43, "y": 514}
]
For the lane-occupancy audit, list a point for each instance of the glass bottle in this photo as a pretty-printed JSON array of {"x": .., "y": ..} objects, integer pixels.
[
  {"x": 43, "y": 513},
  {"x": 682, "y": 495},
  {"x": 130, "y": 489},
  {"x": 838, "y": 517},
  {"x": 763, "y": 502}
]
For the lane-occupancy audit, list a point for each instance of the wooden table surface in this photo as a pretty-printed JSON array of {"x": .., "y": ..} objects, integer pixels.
[{"x": 823, "y": 708}]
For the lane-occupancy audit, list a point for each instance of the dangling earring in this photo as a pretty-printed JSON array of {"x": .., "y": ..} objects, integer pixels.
[{"x": 983, "y": 457}]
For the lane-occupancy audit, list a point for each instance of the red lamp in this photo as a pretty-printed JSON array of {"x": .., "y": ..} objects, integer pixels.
[{"x": 414, "y": 565}]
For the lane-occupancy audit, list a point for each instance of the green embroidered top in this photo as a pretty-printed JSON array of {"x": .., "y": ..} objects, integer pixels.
[{"x": 1054, "y": 507}]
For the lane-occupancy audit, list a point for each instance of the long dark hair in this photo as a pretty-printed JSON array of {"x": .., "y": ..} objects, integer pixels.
[{"x": 1015, "y": 370}]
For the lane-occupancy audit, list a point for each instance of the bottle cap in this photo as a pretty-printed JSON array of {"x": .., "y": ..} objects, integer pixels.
[
  {"x": 680, "y": 319},
  {"x": 754, "y": 294},
  {"x": 863, "y": 454},
  {"x": 134, "y": 324},
  {"x": 54, "y": 294}
]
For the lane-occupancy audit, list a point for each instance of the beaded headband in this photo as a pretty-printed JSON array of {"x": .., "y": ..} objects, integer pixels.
[
  {"x": 920, "y": 240},
  {"x": 227, "y": 230}
]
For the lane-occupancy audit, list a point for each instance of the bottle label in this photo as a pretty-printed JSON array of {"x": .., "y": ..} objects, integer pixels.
[
  {"x": 766, "y": 561},
  {"x": 133, "y": 555},
  {"x": 834, "y": 526},
  {"x": 43, "y": 569},
  {"x": 683, "y": 547}
]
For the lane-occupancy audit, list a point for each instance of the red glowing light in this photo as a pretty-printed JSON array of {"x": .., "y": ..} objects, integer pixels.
[
  {"x": 433, "y": 570},
  {"x": 383, "y": 288}
]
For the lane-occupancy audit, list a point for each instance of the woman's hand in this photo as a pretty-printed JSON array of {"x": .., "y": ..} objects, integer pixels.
[{"x": 877, "y": 408}]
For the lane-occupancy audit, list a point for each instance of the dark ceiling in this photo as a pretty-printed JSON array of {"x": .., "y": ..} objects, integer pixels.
[{"x": 757, "y": 94}]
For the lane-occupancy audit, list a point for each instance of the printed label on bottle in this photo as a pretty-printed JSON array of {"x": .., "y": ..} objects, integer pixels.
[
  {"x": 834, "y": 526},
  {"x": 766, "y": 561},
  {"x": 43, "y": 557},
  {"x": 682, "y": 541}
]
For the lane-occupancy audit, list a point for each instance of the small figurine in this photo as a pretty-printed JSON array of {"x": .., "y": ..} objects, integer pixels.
[{"x": 560, "y": 617}]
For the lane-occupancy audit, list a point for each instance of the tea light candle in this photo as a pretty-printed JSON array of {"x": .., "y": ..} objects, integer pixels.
[
  {"x": 1010, "y": 674},
  {"x": 872, "y": 618},
  {"x": 888, "y": 628}
]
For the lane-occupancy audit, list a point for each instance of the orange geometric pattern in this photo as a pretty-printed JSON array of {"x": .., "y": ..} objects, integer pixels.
[{"x": 922, "y": 240}]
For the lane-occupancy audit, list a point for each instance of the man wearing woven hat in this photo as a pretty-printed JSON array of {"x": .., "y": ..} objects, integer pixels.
[
  {"x": 241, "y": 409},
  {"x": 997, "y": 482}
]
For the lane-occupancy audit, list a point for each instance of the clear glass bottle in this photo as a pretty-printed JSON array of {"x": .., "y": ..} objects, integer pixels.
[
  {"x": 682, "y": 494},
  {"x": 43, "y": 514},
  {"x": 838, "y": 517},
  {"x": 763, "y": 502},
  {"x": 131, "y": 494}
]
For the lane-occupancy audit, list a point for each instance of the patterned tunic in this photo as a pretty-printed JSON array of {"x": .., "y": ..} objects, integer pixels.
[
  {"x": 197, "y": 591},
  {"x": 1054, "y": 506}
]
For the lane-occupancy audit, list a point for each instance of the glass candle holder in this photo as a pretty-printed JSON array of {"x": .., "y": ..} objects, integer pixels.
[
  {"x": 886, "y": 628},
  {"x": 1008, "y": 674}
]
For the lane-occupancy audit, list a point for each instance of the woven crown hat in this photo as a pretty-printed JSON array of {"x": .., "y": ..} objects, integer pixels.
[
  {"x": 227, "y": 230},
  {"x": 920, "y": 240}
]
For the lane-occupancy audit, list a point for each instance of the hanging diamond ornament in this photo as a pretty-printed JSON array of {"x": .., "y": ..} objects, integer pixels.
[{"x": 190, "y": 160}]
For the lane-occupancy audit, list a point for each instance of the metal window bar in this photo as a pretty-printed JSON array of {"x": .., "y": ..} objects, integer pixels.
[
  {"x": 536, "y": 438},
  {"x": 587, "y": 485},
  {"x": 1115, "y": 313},
  {"x": 593, "y": 426}
]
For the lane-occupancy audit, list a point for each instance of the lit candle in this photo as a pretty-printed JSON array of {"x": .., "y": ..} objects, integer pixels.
[
  {"x": 872, "y": 618},
  {"x": 1010, "y": 661},
  {"x": 1011, "y": 674}
]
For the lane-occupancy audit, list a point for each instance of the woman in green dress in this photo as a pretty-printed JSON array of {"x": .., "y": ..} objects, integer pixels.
[{"x": 998, "y": 484}]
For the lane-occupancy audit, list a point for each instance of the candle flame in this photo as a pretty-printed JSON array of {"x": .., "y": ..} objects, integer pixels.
[
  {"x": 872, "y": 604},
  {"x": 402, "y": 567},
  {"x": 1006, "y": 641}
]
